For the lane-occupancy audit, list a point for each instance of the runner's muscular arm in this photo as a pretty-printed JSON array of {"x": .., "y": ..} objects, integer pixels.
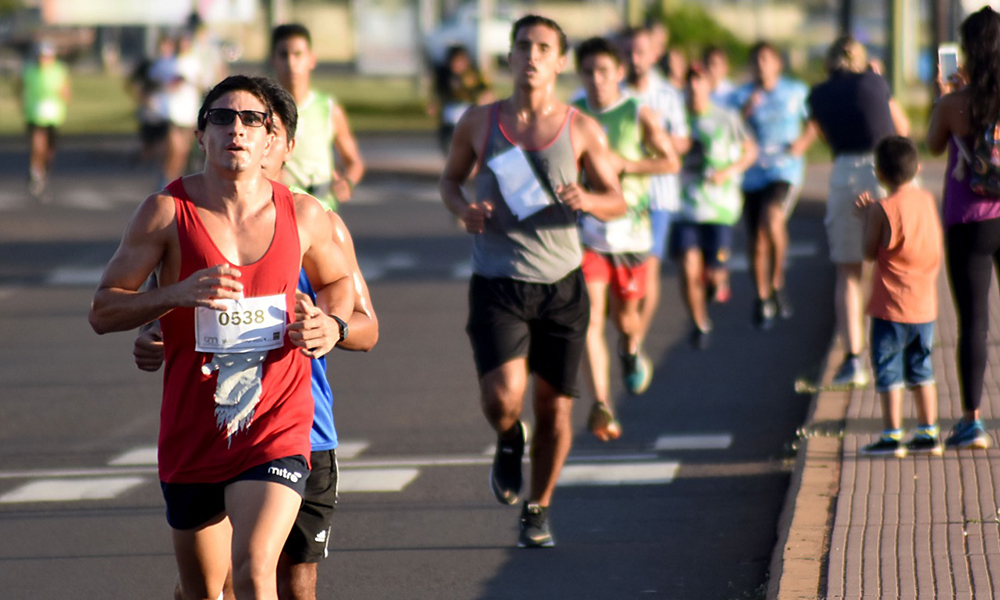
[
  {"x": 604, "y": 199},
  {"x": 461, "y": 160},
  {"x": 350, "y": 157},
  {"x": 665, "y": 159},
  {"x": 314, "y": 331},
  {"x": 119, "y": 306},
  {"x": 363, "y": 324}
]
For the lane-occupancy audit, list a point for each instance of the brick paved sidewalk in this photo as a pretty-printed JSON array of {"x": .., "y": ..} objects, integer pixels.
[
  {"x": 926, "y": 527},
  {"x": 855, "y": 527}
]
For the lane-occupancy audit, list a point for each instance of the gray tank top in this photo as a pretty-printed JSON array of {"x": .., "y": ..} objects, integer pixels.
[{"x": 544, "y": 247}]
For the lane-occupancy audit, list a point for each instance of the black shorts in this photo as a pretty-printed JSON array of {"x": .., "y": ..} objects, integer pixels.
[
  {"x": 190, "y": 505},
  {"x": 714, "y": 240},
  {"x": 152, "y": 133},
  {"x": 758, "y": 201},
  {"x": 545, "y": 322},
  {"x": 310, "y": 536},
  {"x": 50, "y": 133}
]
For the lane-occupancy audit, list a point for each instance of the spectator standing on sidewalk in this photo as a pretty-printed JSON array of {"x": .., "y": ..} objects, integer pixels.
[
  {"x": 903, "y": 236},
  {"x": 968, "y": 111},
  {"x": 853, "y": 109}
]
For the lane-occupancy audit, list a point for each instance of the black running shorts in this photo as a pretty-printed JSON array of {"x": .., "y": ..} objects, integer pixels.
[
  {"x": 309, "y": 539},
  {"x": 755, "y": 203},
  {"x": 547, "y": 323},
  {"x": 190, "y": 505}
]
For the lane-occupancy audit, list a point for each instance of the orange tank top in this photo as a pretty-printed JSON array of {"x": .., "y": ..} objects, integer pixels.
[
  {"x": 904, "y": 283},
  {"x": 202, "y": 440}
]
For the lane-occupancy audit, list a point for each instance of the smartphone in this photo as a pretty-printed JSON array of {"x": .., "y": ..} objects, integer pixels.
[{"x": 947, "y": 60}]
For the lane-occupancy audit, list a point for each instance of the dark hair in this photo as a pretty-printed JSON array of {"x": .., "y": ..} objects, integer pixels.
[
  {"x": 289, "y": 30},
  {"x": 282, "y": 103},
  {"x": 533, "y": 20},
  {"x": 896, "y": 159},
  {"x": 981, "y": 45},
  {"x": 763, "y": 46},
  {"x": 233, "y": 83},
  {"x": 455, "y": 50},
  {"x": 630, "y": 33},
  {"x": 695, "y": 69},
  {"x": 711, "y": 51},
  {"x": 596, "y": 45}
]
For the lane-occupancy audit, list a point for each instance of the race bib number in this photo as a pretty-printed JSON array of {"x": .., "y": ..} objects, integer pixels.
[{"x": 249, "y": 325}]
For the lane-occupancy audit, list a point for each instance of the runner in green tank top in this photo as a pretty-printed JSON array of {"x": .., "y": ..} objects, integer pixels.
[
  {"x": 322, "y": 122},
  {"x": 44, "y": 92},
  {"x": 616, "y": 252}
]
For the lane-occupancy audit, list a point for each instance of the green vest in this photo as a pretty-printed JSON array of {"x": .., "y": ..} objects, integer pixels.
[
  {"x": 311, "y": 164},
  {"x": 42, "y": 96},
  {"x": 630, "y": 233}
]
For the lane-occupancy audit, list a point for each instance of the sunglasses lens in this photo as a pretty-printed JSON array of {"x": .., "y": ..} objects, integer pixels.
[
  {"x": 252, "y": 118},
  {"x": 221, "y": 116}
]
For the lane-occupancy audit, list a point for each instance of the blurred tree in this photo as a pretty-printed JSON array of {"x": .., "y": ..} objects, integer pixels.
[
  {"x": 692, "y": 29},
  {"x": 9, "y": 6}
]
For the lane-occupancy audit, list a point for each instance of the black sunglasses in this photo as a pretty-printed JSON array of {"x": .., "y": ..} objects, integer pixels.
[{"x": 225, "y": 116}]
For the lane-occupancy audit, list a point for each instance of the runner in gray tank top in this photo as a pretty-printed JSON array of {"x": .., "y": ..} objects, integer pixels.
[{"x": 528, "y": 307}]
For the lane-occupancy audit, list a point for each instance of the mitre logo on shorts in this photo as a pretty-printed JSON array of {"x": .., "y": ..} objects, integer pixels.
[{"x": 292, "y": 476}]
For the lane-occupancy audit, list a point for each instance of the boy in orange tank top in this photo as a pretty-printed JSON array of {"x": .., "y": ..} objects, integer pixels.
[{"x": 903, "y": 237}]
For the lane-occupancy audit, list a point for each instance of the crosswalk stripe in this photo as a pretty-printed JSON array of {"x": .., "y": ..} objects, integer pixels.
[
  {"x": 75, "y": 276},
  {"x": 651, "y": 473},
  {"x": 718, "y": 441},
  {"x": 375, "y": 480},
  {"x": 64, "y": 490},
  {"x": 137, "y": 456},
  {"x": 350, "y": 449}
]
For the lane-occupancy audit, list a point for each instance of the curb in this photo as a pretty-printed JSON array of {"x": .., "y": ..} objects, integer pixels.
[{"x": 798, "y": 564}]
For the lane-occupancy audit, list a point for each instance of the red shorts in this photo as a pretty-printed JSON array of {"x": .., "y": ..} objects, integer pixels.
[{"x": 625, "y": 273}]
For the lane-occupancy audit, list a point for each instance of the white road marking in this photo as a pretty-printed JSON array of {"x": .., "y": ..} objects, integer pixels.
[
  {"x": 137, "y": 456},
  {"x": 461, "y": 270},
  {"x": 376, "y": 480},
  {"x": 7, "y": 292},
  {"x": 710, "y": 441},
  {"x": 650, "y": 473},
  {"x": 401, "y": 260},
  {"x": 75, "y": 276},
  {"x": 64, "y": 490},
  {"x": 350, "y": 449}
]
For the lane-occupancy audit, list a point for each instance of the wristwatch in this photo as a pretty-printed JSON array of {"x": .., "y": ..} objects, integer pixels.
[{"x": 343, "y": 327}]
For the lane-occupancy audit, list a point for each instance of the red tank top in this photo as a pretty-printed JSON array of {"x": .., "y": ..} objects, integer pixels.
[{"x": 194, "y": 446}]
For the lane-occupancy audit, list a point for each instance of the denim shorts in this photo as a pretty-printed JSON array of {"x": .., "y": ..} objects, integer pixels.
[
  {"x": 901, "y": 354},
  {"x": 659, "y": 222}
]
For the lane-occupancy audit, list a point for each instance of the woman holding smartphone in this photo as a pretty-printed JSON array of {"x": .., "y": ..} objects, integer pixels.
[{"x": 970, "y": 105}]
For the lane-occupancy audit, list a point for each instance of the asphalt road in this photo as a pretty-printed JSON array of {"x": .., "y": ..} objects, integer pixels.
[{"x": 683, "y": 506}]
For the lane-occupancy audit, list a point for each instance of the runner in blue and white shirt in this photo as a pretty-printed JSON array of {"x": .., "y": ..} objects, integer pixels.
[{"x": 776, "y": 111}]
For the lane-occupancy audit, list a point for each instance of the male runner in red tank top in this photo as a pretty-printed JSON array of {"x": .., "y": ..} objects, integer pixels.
[{"x": 227, "y": 245}]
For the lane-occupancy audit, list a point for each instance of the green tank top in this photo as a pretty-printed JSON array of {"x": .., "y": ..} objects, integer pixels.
[
  {"x": 630, "y": 233},
  {"x": 311, "y": 164},
  {"x": 42, "y": 96}
]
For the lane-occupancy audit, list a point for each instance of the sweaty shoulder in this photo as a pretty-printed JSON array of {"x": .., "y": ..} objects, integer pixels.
[{"x": 156, "y": 213}]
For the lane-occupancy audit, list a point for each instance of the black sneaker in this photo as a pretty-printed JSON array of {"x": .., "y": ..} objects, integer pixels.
[
  {"x": 763, "y": 314},
  {"x": 922, "y": 443},
  {"x": 885, "y": 446},
  {"x": 783, "y": 308},
  {"x": 700, "y": 338},
  {"x": 505, "y": 476},
  {"x": 535, "y": 527}
]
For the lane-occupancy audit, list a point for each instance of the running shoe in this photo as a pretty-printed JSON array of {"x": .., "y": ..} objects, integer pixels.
[
  {"x": 782, "y": 306},
  {"x": 763, "y": 314},
  {"x": 701, "y": 338},
  {"x": 922, "y": 443},
  {"x": 535, "y": 527},
  {"x": 602, "y": 422},
  {"x": 505, "y": 476},
  {"x": 885, "y": 446},
  {"x": 851, "y": 373},
  {"x": 637, "y": 372},
  {"x": 969, "y": 434},
  {"x": 36, "y": 184}
]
